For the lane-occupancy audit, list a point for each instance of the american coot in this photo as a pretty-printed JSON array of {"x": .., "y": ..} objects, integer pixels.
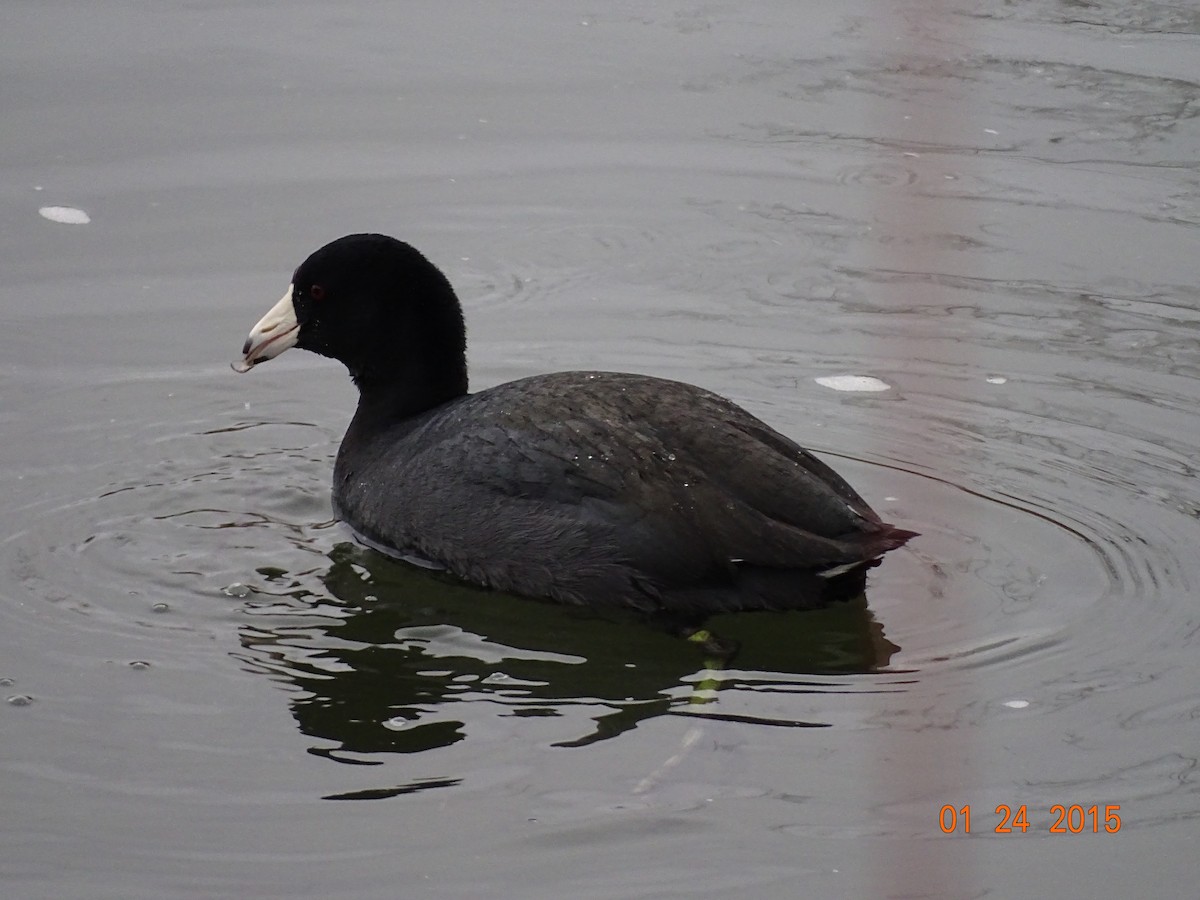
[{"x": 597, "y": 488}]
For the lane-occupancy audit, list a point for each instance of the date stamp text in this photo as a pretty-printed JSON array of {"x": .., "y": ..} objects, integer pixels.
[{"x": 1064, "y": 819}]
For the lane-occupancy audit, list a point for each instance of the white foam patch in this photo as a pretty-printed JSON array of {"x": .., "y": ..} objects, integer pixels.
[
  {"x": 65, "y": 215},
  {"x": 1016, "y": 704},
  {"x": 997, "y": 379},
  {"x": 853, "y": 383}
]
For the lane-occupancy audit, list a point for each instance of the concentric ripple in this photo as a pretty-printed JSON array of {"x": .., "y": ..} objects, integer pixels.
[{"x": 226, "y": 532}]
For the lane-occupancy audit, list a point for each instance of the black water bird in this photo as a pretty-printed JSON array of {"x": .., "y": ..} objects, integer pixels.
[{"x": 594, "y": 488}]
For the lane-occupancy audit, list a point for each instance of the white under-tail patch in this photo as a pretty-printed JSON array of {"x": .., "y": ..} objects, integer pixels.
[{"x": 835, "y": 571}]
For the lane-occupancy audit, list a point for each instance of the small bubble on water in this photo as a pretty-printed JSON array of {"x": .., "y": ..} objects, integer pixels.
[
  {"x": 138, "y": 664},
  {"x": 160, "y": 608},
  {"x": 237, "y": 589},
  {"x": 20, "y": 700},
  {"x": 997, "y": 379},
  {"x": 671, "y": 457}
]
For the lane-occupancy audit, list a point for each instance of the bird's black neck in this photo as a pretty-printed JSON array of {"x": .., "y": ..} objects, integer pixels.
[{"x": 407, "y": 388}]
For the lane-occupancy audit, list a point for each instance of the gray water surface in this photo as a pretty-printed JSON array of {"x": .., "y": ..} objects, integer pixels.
[{"x": 992, "y": 208}]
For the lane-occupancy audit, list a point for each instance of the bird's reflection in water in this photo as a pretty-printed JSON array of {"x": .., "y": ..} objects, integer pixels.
[{"x": 389, "y": 658}]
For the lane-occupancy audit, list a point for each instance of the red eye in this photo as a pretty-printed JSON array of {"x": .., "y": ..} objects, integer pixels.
[{"x": 316, "y": 292}]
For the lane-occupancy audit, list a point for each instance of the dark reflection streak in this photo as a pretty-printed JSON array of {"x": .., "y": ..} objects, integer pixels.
[
  {"x": 332, "y": 754},
  {"x": 833, "y": 689},
  {"x": 253, "y": 520},
  {"x": 208, "y": 509},
  {"x": 248, "y": 425},
  {"x": 400, "y": 790},
  {"x": 280, "y": 673},
  {"x": 618, "y": 722},
  {"x": 1107, "y": 163},
  {"x": 266, "y": 608},
  {"x": 131, "y": 487},
  {"x": 749, "y": 720}
]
